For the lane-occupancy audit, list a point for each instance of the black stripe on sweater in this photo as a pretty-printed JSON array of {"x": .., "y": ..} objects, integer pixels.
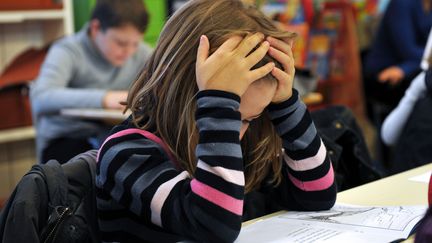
[
  {"x": 108, "y": 215},
  {"x": 299, "y": 129},
  {"x": 310, "y": 151},
  {"x": 218, "y": 113},
  {"x": 287, "y": 103},
  {"x": 227, "y": 162},
  {"x": 316, "y": 200},
  {"x": 210, "y": 136},
  {"x": 112, "y": 142},
  {"x": 122, "y": 156},
  {"x": 211, "y": 210},
  {"x": 279, "y": 120},
  {"x": 220, "y": 184},
  {"x": 218, "y": 93}
]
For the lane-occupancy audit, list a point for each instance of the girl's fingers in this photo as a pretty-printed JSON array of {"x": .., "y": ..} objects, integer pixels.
[
  {"x": 280, "y": 75},
  {"x": 227, "y": 47},
  {"x": 258, "y": 54},
  {"x": 282, "y": 58},
  {"x": 279, "y": 44},
  {"x": 260, "y": 72},
  {"x": 203, "y": 50},
  {"x": 230, "y": 44},
  {"x": 249, "y": 43}
]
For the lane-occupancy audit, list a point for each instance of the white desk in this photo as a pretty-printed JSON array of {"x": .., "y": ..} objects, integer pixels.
[
  {"x": 393, "y": 190},
  {"x": 94, "y": 113},
  {"x": 108, "y": 116}
]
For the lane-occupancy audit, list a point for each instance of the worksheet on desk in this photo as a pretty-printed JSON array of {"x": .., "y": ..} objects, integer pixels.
[
  {"x": 342, "y": 223},
  {"x": 424, "y": 178}
]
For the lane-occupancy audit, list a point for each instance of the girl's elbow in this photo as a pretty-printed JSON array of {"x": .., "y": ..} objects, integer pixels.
[{"x": 324, "y": 201}]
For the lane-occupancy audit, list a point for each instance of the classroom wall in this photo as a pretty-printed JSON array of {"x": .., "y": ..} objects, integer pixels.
[{"x": 156, "y": 8}]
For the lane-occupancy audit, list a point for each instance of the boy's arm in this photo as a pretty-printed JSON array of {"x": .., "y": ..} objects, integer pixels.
[{"x": 50, "y": 91}]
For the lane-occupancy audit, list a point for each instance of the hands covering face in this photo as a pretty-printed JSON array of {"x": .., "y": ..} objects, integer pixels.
[{"x": 229, "y": 67}]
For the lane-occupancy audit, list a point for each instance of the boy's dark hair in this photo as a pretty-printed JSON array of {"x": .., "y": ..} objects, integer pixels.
[{"x": 116, "y": 13}]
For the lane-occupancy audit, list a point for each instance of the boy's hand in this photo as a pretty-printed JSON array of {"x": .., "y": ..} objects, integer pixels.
[
  {"x": 229, "y": 67},
  {"x": 112, "y": 99},
  {"x": 281, "y": 51}
]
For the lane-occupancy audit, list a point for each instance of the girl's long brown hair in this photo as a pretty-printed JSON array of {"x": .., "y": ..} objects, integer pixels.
[{"x": 163, "y": 97}]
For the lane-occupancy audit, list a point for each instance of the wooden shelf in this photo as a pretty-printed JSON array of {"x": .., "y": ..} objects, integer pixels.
[
  {"x": 17, "y": 134},
  {"x": 21, "y": 16}
]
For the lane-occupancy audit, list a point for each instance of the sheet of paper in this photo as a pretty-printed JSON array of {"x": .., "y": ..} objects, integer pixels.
[
  {"x": 342, "y": 223},
  {"x": 422, "y": 178}
]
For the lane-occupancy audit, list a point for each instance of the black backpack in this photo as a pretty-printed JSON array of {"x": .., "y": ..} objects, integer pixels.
[
  {"x": 53, "y": 203},
  {"x": 346, "y": 147}
]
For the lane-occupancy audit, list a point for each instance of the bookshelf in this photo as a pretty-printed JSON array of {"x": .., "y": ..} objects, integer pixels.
[
  {"x": 24, "y": 28},
  {"x": 343, "y": 85},
  {"x": 25, "y": 24},
  {"x": 327, "y": 46}
]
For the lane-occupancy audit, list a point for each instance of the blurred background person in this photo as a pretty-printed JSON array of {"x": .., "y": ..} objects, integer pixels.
[
  {"x": 394, "y": 60},
  {"x": 90, "y": 69}
]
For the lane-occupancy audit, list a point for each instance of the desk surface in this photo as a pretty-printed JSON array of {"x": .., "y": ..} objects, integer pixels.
[
  {"x": 94, "y": 113},
  {"x": 392, "y": 190}
]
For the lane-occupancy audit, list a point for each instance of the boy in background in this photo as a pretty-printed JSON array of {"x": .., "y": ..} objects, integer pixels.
[{"x": 90, "y": 69}]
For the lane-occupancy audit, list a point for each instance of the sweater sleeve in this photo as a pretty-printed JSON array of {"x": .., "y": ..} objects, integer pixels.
[
  {"x": 395, "y": 122},
  {"x": 310, "y": 176},
  {"x": 206, "y": 206},
  {"x": 52, "y": 84}
]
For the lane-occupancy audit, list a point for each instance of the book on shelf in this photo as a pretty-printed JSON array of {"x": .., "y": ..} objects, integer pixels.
[
  {"x": 319, "y": 52},
  {"x": 342, "y": 223}
]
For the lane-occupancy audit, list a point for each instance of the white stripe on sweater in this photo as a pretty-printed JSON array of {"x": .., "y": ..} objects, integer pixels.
[
  {"x": 233, "y": 176},
  {"x": 161, "y": 195}
]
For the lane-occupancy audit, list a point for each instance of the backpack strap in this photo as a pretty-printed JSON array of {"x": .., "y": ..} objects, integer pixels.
[
  {"x": 147, "y": 135},
  {"x": 56, "y": 182}
]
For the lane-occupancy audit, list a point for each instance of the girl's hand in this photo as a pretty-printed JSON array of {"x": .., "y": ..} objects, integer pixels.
[
  {"x": 281, "y": 51},
  {"x": 229, "y": 67}
]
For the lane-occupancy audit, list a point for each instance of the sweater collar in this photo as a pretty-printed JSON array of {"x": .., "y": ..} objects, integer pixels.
[{"x": 90, "y": 46}]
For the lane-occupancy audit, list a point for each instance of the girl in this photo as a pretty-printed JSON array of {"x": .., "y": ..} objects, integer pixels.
[{"x": 223, "y": 112}]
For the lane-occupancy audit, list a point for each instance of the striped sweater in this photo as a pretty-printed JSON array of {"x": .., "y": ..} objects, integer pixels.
[{"x": 143, "y": 197}]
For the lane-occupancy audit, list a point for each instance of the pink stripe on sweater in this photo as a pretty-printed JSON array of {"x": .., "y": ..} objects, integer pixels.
[
  {"x": 217, "y": 197},
  {"x": 315, "y": 185}
]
